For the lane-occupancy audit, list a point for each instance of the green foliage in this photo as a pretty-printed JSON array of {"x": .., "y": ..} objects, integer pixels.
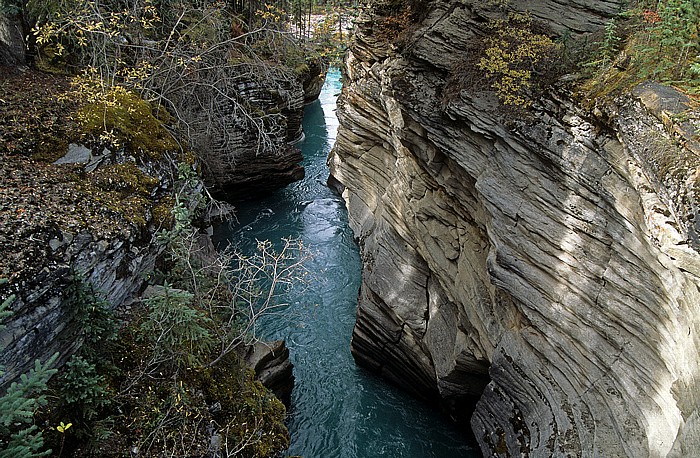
[
  {"x": 185, "y": 340},
  {"x": 20, "y": 402},
  {"x": 251, "y": 418},
  {"x": 176, "y": 330},
  {"x": 92, "y": 314},
  {"x": 652, "y": 40},
  {"x": 10, "y": 7},
  {"x": 4, "y": 313},
  {"x": 668, "y": 45},
  {"x": 82, "y": 390},
  {"x": 19, "y": 438},
  {"x": 607, "y": 49},
  {"x": 176, "y": 357},
  {"x": 329, "y": 39},
  {"x": 610, "y": 46}
]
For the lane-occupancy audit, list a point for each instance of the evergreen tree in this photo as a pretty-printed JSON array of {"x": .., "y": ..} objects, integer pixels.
[{"x": 19, "y": 438}]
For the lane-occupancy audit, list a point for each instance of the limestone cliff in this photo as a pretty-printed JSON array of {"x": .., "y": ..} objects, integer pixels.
[{"x": 540, "y": 268}]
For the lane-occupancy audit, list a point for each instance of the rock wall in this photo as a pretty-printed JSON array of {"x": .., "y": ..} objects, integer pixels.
[
  {"x": 313, "y": 78},
  {"x": 251, "y": 149},
  {"x": 55, "y": 233},
  {"x": 539, "y": 269},
  {"x": 12, "y": 51},
  {"x": 250, "y": 145}
]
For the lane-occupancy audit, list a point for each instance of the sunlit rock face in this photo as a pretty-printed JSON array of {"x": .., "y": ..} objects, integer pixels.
[{"x": 539, "y": 269}]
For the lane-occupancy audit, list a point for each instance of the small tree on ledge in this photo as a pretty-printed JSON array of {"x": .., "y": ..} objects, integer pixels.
[{"x": 513, "y": 53}]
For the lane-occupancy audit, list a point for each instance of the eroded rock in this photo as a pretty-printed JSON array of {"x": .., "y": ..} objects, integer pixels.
[
  {"x": 541, "y": 266},
  {"x": 252, "y": 150},
  {"x": 272, "y": 366}
]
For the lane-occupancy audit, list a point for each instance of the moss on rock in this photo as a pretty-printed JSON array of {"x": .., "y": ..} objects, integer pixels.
[
  {"x": 122, "y": 189},
  {"x": 162, "y": 213},
  {"x": 250, "y": 415},
  {"x": 126, "y": 119}
]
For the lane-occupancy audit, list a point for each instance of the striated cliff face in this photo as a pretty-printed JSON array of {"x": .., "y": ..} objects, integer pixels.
[
  {"x": 539, "y": 270},
  {"x": 250, "y": 150},
  {"x": 251, "y": 147}
]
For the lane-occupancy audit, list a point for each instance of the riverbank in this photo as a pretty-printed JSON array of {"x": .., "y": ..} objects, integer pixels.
[{"x": 102, "y": 257}]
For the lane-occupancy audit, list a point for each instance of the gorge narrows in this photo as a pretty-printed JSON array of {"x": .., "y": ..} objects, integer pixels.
[{"x": 337, "y": 409}]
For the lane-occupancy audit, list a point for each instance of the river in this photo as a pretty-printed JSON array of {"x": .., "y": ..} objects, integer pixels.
[{"x": 339, "y": 410}]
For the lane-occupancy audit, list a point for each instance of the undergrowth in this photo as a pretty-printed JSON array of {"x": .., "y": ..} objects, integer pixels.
[
  {"x": 656, "y": 41},
  {"x": 165, "y": 378}
]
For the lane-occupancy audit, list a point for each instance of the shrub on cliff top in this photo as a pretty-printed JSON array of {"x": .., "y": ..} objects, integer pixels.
[
  {"x": 513, "y": 54},
  {"x": 189, "y": 56},
  {"x": 397, "y": 19},
  {"x": 516, "y": 58},
  {"x": 657, "y": 40},
  {"x": 667, "y": 42}
]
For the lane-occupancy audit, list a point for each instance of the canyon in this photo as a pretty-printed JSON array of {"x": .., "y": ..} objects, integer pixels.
[{"x": 536, "y": 271}]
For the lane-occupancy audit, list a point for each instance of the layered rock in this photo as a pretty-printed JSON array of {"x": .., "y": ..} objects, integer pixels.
[
  {"x": 312, "y": 77},
  {"x": 56, "y": 233},
  {"x": 541, "y": 268},
  {"x": 249, "y": 149},
  {"x": 270, "y": 361}
]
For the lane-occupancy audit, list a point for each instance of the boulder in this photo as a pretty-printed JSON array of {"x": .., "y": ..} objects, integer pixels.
[{"x": 270, "y": 361}]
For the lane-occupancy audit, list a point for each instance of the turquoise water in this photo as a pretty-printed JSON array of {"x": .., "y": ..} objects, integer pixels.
[{"x": 339, "y": 410}]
